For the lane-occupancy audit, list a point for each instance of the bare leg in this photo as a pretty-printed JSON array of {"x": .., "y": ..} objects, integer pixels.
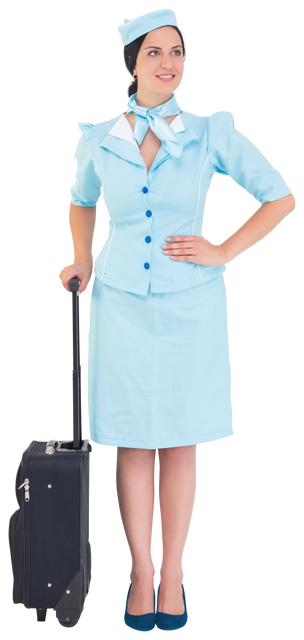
[
  {"x": 135, "y": 494},
  {"x": 177, "y": 483}
]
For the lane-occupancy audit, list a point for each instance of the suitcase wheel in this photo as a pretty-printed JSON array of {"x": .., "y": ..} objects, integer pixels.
[{"x": 68, "y": 624}]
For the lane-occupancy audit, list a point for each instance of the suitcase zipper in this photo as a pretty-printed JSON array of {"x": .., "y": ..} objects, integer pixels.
[
  {"x": 26, "y": 485},
  {"x": 26, "y": 458}
]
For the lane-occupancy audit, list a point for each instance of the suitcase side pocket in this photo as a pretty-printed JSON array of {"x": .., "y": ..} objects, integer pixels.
[{"x": 15, "y": 551}]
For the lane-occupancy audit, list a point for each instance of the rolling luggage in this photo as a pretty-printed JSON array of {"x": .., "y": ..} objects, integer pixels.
[{"x": 49, "y": 533}]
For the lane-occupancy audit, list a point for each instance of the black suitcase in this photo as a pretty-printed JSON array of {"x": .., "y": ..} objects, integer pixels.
[{"x": 49, "y": 533}]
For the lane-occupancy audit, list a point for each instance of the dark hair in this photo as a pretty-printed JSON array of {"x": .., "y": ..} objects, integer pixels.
[{"x": 131, "y": 52}]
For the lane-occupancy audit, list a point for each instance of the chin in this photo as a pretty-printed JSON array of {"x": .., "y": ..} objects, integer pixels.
[{"x": 168, "y": 86}]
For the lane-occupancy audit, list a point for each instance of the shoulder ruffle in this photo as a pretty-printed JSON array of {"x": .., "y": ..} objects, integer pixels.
[
  {"x": 85, "y": 128},
  {"x": 220, "y": 119}
]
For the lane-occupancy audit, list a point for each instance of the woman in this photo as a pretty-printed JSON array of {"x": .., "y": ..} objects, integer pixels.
[{"x": 159, "y": 371}]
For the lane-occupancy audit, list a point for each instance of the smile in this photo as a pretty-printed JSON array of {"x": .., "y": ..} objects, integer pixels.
[{"x": 166, "y": 77}]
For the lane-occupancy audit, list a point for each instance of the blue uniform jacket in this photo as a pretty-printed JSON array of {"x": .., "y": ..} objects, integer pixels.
[{"x": 147, "y": 207}]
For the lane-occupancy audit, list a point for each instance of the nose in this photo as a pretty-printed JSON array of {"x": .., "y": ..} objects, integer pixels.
[{"x": 169, "y": 62}]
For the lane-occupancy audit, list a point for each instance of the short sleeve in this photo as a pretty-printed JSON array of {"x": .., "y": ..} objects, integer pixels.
[
  {"x": 231, "y": 153},
  {"x": 88, "y": 185}
]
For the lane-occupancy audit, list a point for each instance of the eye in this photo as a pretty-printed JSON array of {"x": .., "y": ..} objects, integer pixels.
[{"x": 154, "y": 51}]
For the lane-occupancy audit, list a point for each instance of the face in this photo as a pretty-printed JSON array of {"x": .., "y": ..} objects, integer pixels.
[{"x": 161, "y": 54}]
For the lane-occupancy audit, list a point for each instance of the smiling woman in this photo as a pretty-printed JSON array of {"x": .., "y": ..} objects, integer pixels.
[{"x": 135, "y": 56}]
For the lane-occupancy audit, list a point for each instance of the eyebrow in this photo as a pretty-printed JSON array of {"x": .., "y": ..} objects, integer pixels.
[{"x": 177, "y": 45}]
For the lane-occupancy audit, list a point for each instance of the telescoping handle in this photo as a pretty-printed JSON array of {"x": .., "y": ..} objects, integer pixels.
[{"x": 77, "y": 442}]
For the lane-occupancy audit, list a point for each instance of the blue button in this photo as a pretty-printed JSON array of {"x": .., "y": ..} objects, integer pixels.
[
  {"x": 148, "y": 239},
  {"x": 145, "y": 189},
  {"x": 146, "y": 265},
  {"x": 148, "y": 213}
]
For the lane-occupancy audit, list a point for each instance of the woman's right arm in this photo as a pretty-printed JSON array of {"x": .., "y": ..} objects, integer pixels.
[{"x": 82, "y": 223}]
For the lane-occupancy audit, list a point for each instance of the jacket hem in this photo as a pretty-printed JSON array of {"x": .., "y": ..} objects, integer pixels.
[{"x": 154, "y": 289}]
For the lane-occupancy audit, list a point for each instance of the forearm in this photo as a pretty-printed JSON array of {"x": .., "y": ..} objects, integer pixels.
[
  {"x": 266, "y": 218},
  {"x": 82, "y": 223}
]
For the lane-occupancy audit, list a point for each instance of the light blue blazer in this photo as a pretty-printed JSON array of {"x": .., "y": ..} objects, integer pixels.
[{"x": 147, "y": 207}]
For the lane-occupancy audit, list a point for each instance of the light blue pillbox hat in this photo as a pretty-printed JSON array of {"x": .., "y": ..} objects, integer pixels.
[{"x": 131, "y": 28}]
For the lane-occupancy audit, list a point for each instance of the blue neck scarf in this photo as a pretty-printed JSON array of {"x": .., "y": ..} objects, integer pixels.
[{"x": 154, "y": 118}]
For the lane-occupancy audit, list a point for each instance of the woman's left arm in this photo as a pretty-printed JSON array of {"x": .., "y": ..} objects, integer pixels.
[{"x": 264, "y": 220}]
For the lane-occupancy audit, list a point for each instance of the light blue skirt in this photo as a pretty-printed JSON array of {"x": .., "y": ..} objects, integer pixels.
[{"x": 159, "y": 369}]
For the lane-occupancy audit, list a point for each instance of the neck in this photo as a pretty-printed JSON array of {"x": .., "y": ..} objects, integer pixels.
[{"x": 145, "y": 105}]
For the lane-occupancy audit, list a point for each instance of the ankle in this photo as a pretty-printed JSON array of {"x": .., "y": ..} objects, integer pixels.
[
  {"x": 145, "y": 576},
  {"x": 171, "y": 574}
]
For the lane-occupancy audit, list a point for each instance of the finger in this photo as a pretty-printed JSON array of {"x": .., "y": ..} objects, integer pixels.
[
  {"x": 186, "y": 249},
  {"x": 189, "y": 251},
  {"x": 179, "y": 238},
  {"x": 190, "y": 256},
  {"x": 186, "y": 243},
  {"x": 181, "y": 258}
]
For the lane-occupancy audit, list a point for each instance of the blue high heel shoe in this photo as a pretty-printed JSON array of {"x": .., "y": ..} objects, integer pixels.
[
  {"x": 146, "y": 622},
  {"x": 167, "y": 621}
]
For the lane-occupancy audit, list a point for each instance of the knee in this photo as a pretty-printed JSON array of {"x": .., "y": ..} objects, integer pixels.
[{"x": 135, "y": 454}]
